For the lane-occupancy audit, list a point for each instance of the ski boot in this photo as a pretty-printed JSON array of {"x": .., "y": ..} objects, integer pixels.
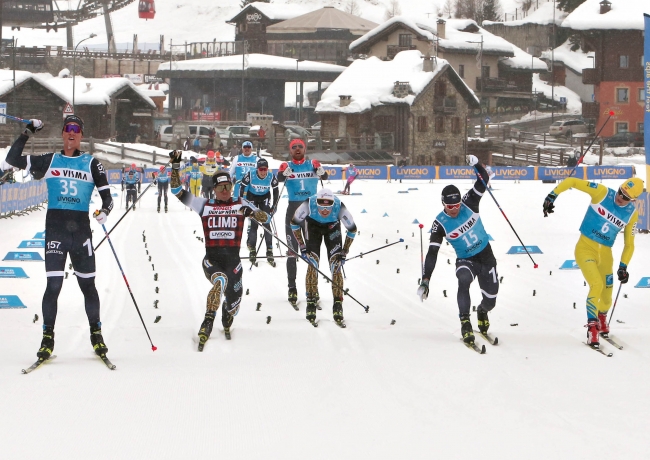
[
  {"x": 252, "y": 254},
  {"x": 338, "y": 313},
  {"x": 47, "y": 344},
  {"x": 604, "y": 327},
  {"x": 269, "y": 256},
  {"x": 206, "y": 329},
  {"x": 466, "y": 329},
  {"x": 226, "y": 322},
  {"x": 317, "y": 300},
  {"x": 483, "y": 321},
  {"x": 165, "y": 208},
  {"x": 159, "y": 209},
  {"x": 592, "y": 333},
  {"x": 293, "y": 297},
  {"x": 311, "y": 311},
  {"x": 97, "y": 340}
]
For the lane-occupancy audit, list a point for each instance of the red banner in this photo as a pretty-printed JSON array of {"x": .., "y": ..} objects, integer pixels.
[{"x": 200, "y": 116}]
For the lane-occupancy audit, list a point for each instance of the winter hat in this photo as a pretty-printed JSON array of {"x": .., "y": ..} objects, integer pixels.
[
  {"x": 325, "y": 197},
  {"x": 451, "y": 195},
  {"x": 632, "y": 188},
  {"x": 247, "y": 144},
  {"x": 73, "y": 119},
  {"x": 220, "y": 177},
  {"x": 296, "y": 141},
  {"x": 262, "y": 163}
]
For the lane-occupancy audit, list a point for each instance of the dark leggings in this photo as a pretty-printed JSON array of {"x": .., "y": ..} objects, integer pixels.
[{"x": 51, "y": 296}]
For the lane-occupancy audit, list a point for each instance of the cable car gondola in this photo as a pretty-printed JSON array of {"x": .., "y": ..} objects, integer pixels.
[{"x": 147, "y": 9}]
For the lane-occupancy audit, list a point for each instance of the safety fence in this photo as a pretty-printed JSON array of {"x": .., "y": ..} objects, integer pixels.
[{"x": 19, "y": 199}]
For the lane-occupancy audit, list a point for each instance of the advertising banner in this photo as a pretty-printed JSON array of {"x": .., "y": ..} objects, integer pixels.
[
  {"x": 333, "y": 172},
  {"x": 372, "y": 172},
  {"x": 23, "y": 256},
  {"x": 114, "y": 176},
  {"x": 646, "y": 83},
  {"x": 609, "y": 172},
  {"x": 642, "y": 205},
  {"x": 12, "y": 272},
  {"x": 16, "y": 197},
  {"x": 11, "y": 301},
  {"x": 513, "y": 173},
  {"x": 456, "y": 172},
  {"x": 551, "y": 173},
  {"x": 413, "y": 172},
  {"x": 39, "y": 244}
]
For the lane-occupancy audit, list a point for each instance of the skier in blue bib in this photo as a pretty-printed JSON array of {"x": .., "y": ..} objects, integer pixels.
[
  {"x": 259, "y": 184},
  {"x": 71, "y": 177},
  {"x": 131, "y": 181},
  {"x": 162, "y": 181},
  {"x": 242, "y": 164},
  {"x": 301, "y": 177},
  {"x": 461, "y": 224}
]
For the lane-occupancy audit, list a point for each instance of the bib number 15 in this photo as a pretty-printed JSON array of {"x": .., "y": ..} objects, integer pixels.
[{"x": 470, "y": 238}]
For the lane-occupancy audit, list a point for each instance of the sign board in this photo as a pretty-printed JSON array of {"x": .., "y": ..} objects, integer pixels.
[
  {"x": 151, "y": 78},
  {"x": 521, "y": 250},
  {"x": 68, "y": 110},
  {"x": 488, "y": 119},
  {"x": 39, "y": 244},
  {"x": 643, "y": 282},
  {"x": 437, "y": 144},
  {"x": 23, "y": 256},
  {"x": 253, "y": 18},
  {"x": 136, "y": 78},
  {"x": 569, "y": 265},
  {"x": 12, "y": 272},
  {"x": 562, "y": 100},
  {"x": 39, "y": 236},
  {"x": 11, "y": 301},
  {"x": 3, "y": 110}
]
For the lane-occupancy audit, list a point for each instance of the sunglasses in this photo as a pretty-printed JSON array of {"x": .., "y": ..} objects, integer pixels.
[
  {"x": 452, "y": 206},
  {"x": 624, "y": 196},
  {"x": 71, "y": 128},
  {"x": 247, "y": 147},
  {"x": 262, "y": 169},
  {"x": 224, "y": 187},
  {"x": 325, "y": 203},
  {"x": 297, "y": 146}
]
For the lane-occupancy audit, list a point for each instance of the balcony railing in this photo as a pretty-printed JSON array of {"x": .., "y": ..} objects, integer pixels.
[
  {"x": 498, "y": 84},
  {"x": 392, "y": 50},
  {"x": 590, "y": 109},
  {"x": 444, "y": 105},
  {"x": 590, "y": 76}
]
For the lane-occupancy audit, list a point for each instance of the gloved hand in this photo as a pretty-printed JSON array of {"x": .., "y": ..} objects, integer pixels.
[
  {"x": 176, "y": 157},
  {"x": 318, "y": 168},
  {"x": 623, "y": 275},
  {"x": 472, "y": 160},
  {"x": 101, "y": 215},
  {"x": 423, "y": 290},
  {"x": 548, "y": 204},
  {"x": 286, "y": 170},
  {"x": 303, "y": 252},
  {"x": 338, "y": 260},
  {"x": 34, "y": 126}
]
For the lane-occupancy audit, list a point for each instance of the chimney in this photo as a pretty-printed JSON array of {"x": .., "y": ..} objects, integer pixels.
[
  {"x": 441, "y": 28},
  {"x": 429, "y": 64},
  {"x": 402, "y": 89},
  {"x": 344, "y": 100},
  {"x": 87, "y": 87},
  {"x": 605, "y": 6}
]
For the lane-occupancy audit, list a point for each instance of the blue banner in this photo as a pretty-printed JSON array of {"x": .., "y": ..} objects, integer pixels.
[
  {"x": 521, "y": 250},
  {"x": 372, "y": 172},
  {"x": 646, "y": 82},
  {"x": 456, "y": 172},
  {"x": 643, "y": 282},
  {"x": 548, "y": 173},
  {"x": 23, "y": 256},
  {"x": 569, "y": 265},
  {"x": 642, "y": 205},
  {"x": 413, "y": 172},
  {"x": 11, "y": 301},
  {"x": 114, "y": 176},
  {"x": 17, "y": 197},
  {"x": 12, "y": 272},
  {"x": 32, "y": 244},
  {"x": 333, "y": 172},
  {"x": 513, "y": 172},
  {"x": 39, "y": 236},
  {"x": 610, "y": 172}
]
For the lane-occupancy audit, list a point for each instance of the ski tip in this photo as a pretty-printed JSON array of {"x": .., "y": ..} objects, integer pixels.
[
  {"x": 496, "y": 341},
  {"x": 483, "y": 349}
]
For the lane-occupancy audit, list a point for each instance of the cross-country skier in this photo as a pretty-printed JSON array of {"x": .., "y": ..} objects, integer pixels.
[
  {"x": 208, "y": 169},
  {"x": 241, "y": 164},
  {"x": 193, "y": 177},
  {"x": 162, "y": 180},
  {"x": 223, "y": 221},
  {"x": 610, "y": 212},
  {"x": 301, "y": 177},
  {"x": 132, "y": 182},
  {"x": 71, "y": 177},
  {"x": 461, "y": 224},
  {"x": 351, "y": 174},
  {"x": 258, "y": 184},
  {"x": 320, "y": 218}
]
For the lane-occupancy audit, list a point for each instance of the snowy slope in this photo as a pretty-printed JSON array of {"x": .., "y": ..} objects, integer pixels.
[
  {"x": 287, "y": 390},
  {"x": 201, "y": 20}
]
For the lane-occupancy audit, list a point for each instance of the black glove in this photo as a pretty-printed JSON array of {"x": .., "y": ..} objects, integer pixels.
[
  {"x": 34, "y": 126},
  {"x": 623, "y": 275},
  {"x": 176, "y": 157},
  {"x": 548, "y": 204}
]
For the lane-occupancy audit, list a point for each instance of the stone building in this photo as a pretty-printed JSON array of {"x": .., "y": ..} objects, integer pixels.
[{"x": 416, "y": 103}]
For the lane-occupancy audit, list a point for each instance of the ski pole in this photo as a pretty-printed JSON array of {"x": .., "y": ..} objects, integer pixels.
[
  {"x": 382, "y": 247},
  {"x": 421, "y": 250},
  {"x": 153, "y": 347},
  {"x": 272, "y": 215},
  {"x": 616, "y": 300},
  {"x": 20, "y": 120},
  {"x": 611, "y": 114},
  {"x": 506, "y": 217},
  {"x": 299, "y": 256},
  {"x": 127, "y": 211}
]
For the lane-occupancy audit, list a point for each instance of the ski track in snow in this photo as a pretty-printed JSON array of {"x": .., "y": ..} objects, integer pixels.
[{"x": 289, "y": 390}]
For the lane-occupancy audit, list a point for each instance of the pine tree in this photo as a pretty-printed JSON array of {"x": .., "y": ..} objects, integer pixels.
[
  {"x": 569, "y": 5},
  {"x": 491, "y": 10},
  {"x": 243, "y": 3}
]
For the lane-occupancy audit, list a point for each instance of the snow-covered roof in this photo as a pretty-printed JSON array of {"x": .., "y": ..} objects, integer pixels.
[
  {"x": 275, "y": 12},
  {"x": 371, "y": 81},
  {"x": 7, "y": 79},
  {"x": 252, "y": 61},
  {"x": 308, "y": 87},
  {"x": 575, "y": 60},
  {"x": 324, "y": 18},
  {"x": 624, "y": 15},
  {"x": 523, "y": 61},
  {"x": 541, "y": 16},
  {"x": 458, "y": 32}
]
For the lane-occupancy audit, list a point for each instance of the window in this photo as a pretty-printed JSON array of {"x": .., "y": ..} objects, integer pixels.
[
  {"x": 624, "y": 62},
  {"x": 641, "y": 94},
  {"x": 204, "y": 131},
  {"x": 422, "y": 124},
  {"x": 440, "y": 89},
  {"x": 405, "y": 40},
  {"x": 621, "y": 127},
  {"x": 455, "y": 125},
  {"x": 639, "y": 127},
  {"x": 440, "y": 124},
  {"x": 178, "y": 102},
  {"x": 461, "y": 70},
  {"x": 193, "y": 130},
  {"x": 622, "y": 95}
]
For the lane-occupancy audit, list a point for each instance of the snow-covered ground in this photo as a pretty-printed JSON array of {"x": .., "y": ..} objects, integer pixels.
[{"x": 282, "y": 389}]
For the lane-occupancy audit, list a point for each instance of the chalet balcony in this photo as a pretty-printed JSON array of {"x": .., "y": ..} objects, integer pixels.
[
  {"x": 444, "y": 105},
  {"x": 590, "y": 76},
  {"x": 500, "y": 85},
  {"x": 590, "y": 109},
  {"x": 392, "y": 50}
]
